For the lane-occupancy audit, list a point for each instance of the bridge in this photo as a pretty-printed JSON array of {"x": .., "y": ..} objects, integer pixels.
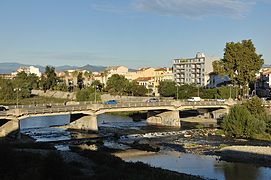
[{"x": 159, "y": 113}]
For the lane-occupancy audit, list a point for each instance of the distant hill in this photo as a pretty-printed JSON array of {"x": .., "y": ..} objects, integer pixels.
[
  {"x": 6, "y": 68},
  {"x": 266, "y": 65}
]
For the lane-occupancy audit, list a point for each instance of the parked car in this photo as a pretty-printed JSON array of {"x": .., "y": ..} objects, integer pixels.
[
  {"x": 220, "y": 100},
  {"x": 152, "y": 100},
  {"x": 194, "y": 99},
  {"x": 4, "y": 108},
  {"x": 111, "y": 102}
]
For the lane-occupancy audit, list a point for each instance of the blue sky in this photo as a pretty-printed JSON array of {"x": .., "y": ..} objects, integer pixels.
[{"x": 134, "y": 33}]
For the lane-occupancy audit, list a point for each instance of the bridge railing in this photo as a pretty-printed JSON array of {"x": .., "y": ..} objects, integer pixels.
[{"x": 86, "y": 106}]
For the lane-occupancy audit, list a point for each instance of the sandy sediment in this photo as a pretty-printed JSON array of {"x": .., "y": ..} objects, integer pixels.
[
  {"x": 132, "y": 153},
  {"x": 255, "y": 154}
]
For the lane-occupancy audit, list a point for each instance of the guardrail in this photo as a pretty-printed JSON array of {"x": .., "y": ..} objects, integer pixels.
[{"x": 86, "y": 106}]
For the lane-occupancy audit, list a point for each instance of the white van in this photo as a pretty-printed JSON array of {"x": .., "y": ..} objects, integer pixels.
[{"x": 194, "y": 99}]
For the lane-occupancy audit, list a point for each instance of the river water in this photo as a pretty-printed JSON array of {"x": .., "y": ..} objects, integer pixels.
[{"x": 42, "y": 130}]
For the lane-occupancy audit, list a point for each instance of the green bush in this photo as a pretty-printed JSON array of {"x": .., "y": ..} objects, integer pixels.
[
  {"x": 249, "y": 120},
  {"x": 87, "y": 95}
]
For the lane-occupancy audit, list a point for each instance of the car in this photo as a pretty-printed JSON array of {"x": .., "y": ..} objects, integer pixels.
[
  {"x": 4, "y": 108},
  {"x": 194, "y": 99},
  {"x": 152, "y": 100},
  {"x": 111, "y": 102},
  {"x": 220, "y": 100}
]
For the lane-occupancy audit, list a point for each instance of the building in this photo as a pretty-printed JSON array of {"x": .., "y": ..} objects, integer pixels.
[
  {"x": 162, "y": 74},
  {"x": 216, "y": 80},
  {"x": 193, "y": 70},
  {"x": 148, "y": 82},
  {"x": 28, "y": 70},
  {"x": 120, "y": 70},
  {"x": 6, "y": 76},
  {"x": 263, "y": 83}
]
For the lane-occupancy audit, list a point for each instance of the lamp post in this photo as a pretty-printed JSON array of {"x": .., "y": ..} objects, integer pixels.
[
  {"x": 177, "y": 95},
  {"x": 95, "y": 94},
  {"x": 17, "y": 91}
]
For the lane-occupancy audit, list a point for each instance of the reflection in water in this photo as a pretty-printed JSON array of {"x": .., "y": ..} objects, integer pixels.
[
  {"x": 119, "y": 122},
  {"x": 239, "y": 171},
  {"x": 44, "y": 121},
  {"x": 206, "y": 166}
]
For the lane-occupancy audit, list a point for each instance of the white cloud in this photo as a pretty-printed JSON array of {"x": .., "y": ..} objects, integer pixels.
[{"x": 196, "y": 8}]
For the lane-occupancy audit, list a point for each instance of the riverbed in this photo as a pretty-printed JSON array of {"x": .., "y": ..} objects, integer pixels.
[{"x": 173, "y": 154}]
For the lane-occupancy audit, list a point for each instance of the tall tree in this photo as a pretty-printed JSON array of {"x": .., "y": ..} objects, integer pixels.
[
  {"x": 167, "y": 88},
  {"x": 80, "y": 80},
  {"x": 117, "y": 84},
  {"x": 49, "y": 80},
  {"x": 240, "y": 62}
]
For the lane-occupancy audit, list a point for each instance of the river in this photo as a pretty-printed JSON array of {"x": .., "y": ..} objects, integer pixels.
[{"x": 42, "y": 130}]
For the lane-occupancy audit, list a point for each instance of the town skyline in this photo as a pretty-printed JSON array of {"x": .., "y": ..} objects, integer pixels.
[{"x": 132, "y": 33}]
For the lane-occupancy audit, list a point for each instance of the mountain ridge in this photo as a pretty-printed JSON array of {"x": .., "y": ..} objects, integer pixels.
[{"x": 9, "y": 67}]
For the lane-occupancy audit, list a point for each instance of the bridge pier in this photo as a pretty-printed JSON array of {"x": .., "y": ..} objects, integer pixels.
[
  {"x": 167, "y": 118},
  {"x": 88, "y": 122},
  {"x": 9, "y": 127}
]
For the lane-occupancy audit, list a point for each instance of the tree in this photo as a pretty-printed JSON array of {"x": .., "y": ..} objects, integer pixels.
[
  {"x": 98, "y": 85},
  {"x": 248, "y": 120},
  {"x": 117, "y": 84},
  {"x": 80, "y": 80},
  {"x": 240, "y": 62},
  {"x": 6, "y": 90},
  {"x": 239, "y": 122},
  {"x": 49, "y": 79},
  {"x": 167, "y": 88},
  {"x": 256, "y": 108},
  {"x": 135, "y": 89},
  {"x": 88, "y": 94}
]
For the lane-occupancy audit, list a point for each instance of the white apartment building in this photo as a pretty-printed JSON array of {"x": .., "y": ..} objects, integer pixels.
[
  {"x": 193, "y": 70},
  {"x": 28, "y": 70}
]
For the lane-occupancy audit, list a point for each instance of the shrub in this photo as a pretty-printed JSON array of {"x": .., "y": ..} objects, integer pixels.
[{"x": 240, "y": 123}]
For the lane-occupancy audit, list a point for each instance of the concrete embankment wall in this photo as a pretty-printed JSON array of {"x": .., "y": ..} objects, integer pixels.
[
  {"x": 55, "y": 94},
  {"x": 104, "y": 97}
]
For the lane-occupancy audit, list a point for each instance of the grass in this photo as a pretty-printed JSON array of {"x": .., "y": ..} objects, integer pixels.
[{"x": 33, "y": 100}]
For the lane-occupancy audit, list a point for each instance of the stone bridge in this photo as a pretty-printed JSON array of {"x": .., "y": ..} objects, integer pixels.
[{"x": 168, "y": 112}]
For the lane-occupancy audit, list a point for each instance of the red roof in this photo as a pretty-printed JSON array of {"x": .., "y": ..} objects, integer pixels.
[{"x": 144, "y": 79}]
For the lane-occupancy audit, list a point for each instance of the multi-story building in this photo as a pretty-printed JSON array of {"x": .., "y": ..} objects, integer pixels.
[
  {"x": 193, "y": 70},
  {"x": 28, "y": 70}
]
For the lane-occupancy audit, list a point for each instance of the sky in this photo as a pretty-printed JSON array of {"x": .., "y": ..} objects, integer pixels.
[{"x": 133, "y": 33}]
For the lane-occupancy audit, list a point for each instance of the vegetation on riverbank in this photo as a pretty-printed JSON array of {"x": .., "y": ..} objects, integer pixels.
[
  {"x": 249, "y": 120},
  {"x": 33, "y": 100},
  {"x": 135, "y": 115}
]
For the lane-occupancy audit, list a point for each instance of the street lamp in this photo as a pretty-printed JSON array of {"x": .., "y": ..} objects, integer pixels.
[
  {"x": 177, "y": 95},
  {"x": 95, "y": 87},
  {"x": 17, "y": 91}
]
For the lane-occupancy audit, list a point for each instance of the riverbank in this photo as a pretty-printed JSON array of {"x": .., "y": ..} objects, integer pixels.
[
  {"x": 203, "y": 142},
  {"x": 21, "y": 161},
  {"x": 250, "y": 154}
]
